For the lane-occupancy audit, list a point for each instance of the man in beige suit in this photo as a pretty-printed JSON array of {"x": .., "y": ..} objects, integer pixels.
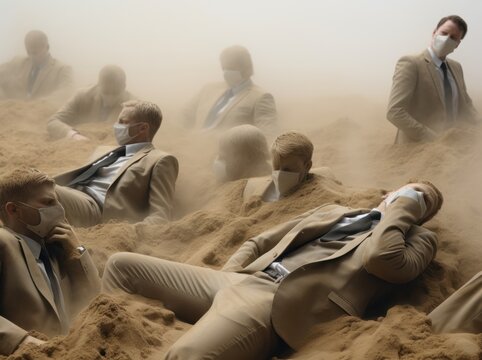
[
  {"x": 37, "y": 76},
  {"x": 462, "y": 311},
  {"x": 236, "y": 101},
  {"x": 134, "y": 182},
  {"x": 46, "y": 276},
  {"x": 99, "y": 103},
  {"x": 328, "y": 262},
  {"x": 291, "y": 153},
  {"x": 428, "y": 93}
]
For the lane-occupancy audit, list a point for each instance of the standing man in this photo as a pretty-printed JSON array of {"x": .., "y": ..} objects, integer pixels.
[
  {"x": 37, "y": 76},
  {"x": 326, "y": 263},
  {"x": 236, "y": 101},
  {"x": 99, "y": 103},
  {"x": 46, "y": 275},
  {"x": 428, "y": 93},
  {"x": 134, "y": 182}
]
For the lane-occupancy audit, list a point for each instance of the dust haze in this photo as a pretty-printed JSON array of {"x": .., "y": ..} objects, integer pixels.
[{"x": 329, "y": 66}]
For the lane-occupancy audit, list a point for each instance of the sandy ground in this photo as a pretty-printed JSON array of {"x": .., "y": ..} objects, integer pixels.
[{"x": 352, "y": 137}]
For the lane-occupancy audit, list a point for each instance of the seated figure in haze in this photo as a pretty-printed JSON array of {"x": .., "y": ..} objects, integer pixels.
[
  {"x": 243, "y": 153},
  {"x": 428, "y": 93},
  {"x": 134, "y": 182},
  {"x": 37, "y": 76},
  {"x": 328, "y": 262},
  {"x": 46, "y": 275},
  {"x": 291, "y": 153},
  {"x": 462, "y": 311},
  {"x": 99, "y": 103},
  {"x": 236, "y": 101}
]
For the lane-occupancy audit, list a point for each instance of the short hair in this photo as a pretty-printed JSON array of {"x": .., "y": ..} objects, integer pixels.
[
  {"x": 291, "y": 143},
  {"x": 430, "y": 212},
  {"x": 36, "y": 36},
  {"x": 113, "y": 75},
  {"x": 145, "y": 111},
  {"x": 20, "y": 185},
  {"x": 457, "y": 20},
  {"x": 246, "y": 140},
  {"x": 237, "y": 58}
]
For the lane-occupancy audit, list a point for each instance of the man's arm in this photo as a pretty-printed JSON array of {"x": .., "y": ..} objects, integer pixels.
[
  {"x": 60, "y": 124},
  {"x": 471, "y": 114},
  {"x": 11, "y": 336},
  {"x": 398, "y": 249},
  {"x": 403, "y": 87},
  {"x": 161, "y": 191},
  {"x": 265, "y": 115},
  {"x": 258, "y": 245}
]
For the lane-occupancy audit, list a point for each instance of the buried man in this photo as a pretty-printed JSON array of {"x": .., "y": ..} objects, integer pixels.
[
  {"x": 328, "y": 262},
  {"x": 46, "y": 276}
]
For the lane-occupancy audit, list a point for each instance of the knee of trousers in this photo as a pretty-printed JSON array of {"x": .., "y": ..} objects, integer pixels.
[
  {"x": 117, "y": 272},
  {"x": 183, "y": 352}
]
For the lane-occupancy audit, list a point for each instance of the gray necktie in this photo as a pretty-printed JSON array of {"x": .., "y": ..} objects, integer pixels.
[
  {"x": 363, "y": 224},
  {"x": 32, "y": 77},
  {"x": 213, "y": 114}
]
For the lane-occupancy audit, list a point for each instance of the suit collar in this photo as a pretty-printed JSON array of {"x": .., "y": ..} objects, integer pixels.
[{"x": 433, "y": 70}]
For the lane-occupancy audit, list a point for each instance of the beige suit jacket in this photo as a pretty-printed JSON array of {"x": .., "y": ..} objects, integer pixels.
[
  {"x": 462, "y": 311},
  {"x": 54, "y": 81},
  {"x": 142, "y": 190},
  {"x": 395, "y": 252},
  {"x": 258, "y": 186},
  {"x": 251, "y": 106},
  {"x": 26, "y": 301},
  {"x": 417, "y": 106},
  {"x": 84, "y": 107}
]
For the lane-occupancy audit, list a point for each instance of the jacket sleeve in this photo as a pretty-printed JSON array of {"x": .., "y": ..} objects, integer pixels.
[
  {"x": 161, "y": 192},
  {"x": 259, "y": 245},
  {"x": 62, "y": 121},
  {"x": 399, "y": 250},
  {"x": 471, "y": 114},
  {"x": 403, "y": 87},
  {"x": 265, "y": 115}
]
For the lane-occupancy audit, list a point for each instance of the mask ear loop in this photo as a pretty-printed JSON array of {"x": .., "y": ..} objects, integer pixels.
[{"x": 27, "y": 205}]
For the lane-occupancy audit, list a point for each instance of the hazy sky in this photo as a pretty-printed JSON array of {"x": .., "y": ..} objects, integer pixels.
[{"x": 169, "y": 49}]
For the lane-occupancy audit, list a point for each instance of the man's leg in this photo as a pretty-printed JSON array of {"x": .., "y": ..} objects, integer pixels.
[
  {"x": 80, "y": 208},
  {"x": 236, "y": 327},
  {"x": 185, "y": 289}
]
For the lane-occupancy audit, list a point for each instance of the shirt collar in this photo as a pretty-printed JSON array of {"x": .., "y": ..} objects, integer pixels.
[
  {"x": 131, "y": 149},
  {"x": 436, "y": 60},
  {"x": 238, "y": 88},
  {"x": 33, "y": 245}
]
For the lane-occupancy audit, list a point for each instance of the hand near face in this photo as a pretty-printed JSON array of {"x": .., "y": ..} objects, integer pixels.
[{"x": 64, "y": 235}]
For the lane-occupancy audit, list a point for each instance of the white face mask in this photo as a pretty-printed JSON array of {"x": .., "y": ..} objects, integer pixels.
[
  {"x": 284, "y": 181},
  {"x": 49, "y": 218},
  {"x": 443, "y": 45},
  {"x": 121, "y": 133},
  {"x": 219, "y": 169},
  {"x": 233, "y": 77}
]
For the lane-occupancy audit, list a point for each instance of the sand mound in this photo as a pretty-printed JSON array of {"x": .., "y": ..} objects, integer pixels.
[{"x": 211, "y": 222}]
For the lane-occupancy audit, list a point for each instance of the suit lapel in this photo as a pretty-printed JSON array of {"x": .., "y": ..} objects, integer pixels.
[
  {"x": 208, "y": 102},
  {"x": 37, "y": 277},
  {"x": 136, "y": 157},
  {"x": 237, "y": 99},
  {"x": 432, "y": 69}
]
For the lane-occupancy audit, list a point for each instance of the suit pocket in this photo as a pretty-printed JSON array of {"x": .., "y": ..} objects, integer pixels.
[{"x": 343, "y": 303}]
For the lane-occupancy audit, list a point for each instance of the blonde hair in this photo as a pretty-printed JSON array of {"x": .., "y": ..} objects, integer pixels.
[
  {"x": 19, "y": 185},
  {"x": 145, "y": 111},
  {"x": 292, "y": 143}
]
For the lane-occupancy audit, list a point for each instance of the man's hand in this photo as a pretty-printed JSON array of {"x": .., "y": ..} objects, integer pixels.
[
  {"x": 64, "y": 235},
  {"x": 75, "y": 135}
]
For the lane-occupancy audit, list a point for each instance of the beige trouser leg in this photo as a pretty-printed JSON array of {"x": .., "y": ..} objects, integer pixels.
[
  {"x": 237, "y": 308},
  {"x": 80, "y": 209}
]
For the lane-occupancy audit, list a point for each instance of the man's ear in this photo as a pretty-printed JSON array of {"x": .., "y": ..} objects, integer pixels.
[
  {"x": 11, "y": 208},
  {"x": 309, "y": 164}
]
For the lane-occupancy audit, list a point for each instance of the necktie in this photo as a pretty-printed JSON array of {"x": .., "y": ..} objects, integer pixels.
[
  {"x": 84, "y": 178},
  {"x": 448, "y": 93},
  {"x": 363, "y": 224},
  {"x": 213, "y": 114},
  {"x": 32, "y": 77},
  {"x": 57, "y": 292}
]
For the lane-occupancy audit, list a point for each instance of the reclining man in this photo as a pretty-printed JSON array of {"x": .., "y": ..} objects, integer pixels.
[
  {"x": 134, "y": 182},
  {"x": 291, "y": 153},
  {"x": 328, "y": 262},
  {"x": 99, "y": 103},
  {"x": 46, "y": 276}
]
